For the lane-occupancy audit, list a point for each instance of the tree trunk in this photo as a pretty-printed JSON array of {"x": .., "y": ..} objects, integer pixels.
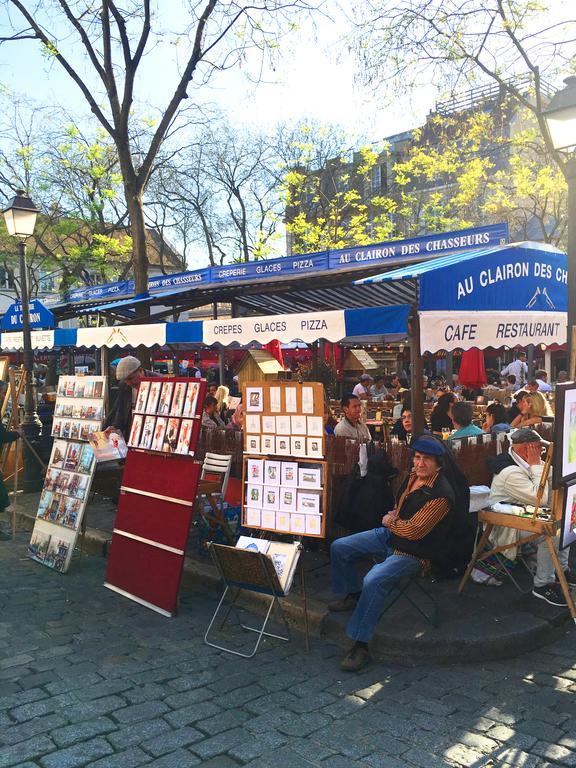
[{"x": 138, "y": 233}]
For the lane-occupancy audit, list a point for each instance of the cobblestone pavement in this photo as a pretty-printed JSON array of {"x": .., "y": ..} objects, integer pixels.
[{"x": 89, "y": 678}]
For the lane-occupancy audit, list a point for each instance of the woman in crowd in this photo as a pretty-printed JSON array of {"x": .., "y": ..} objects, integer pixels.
[
  {"x": 237, "y": 420},
  {"x": 496, "y": 419},
  {"x": 222, "y": 396},
  {"x": 532, "y": 407},
  {"x": 440, "y": 416}
]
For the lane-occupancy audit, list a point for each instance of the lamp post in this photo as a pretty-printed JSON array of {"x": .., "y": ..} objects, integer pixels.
[
  {"x": 20, "y": 217},
  {"x": 560, "y": 116}
]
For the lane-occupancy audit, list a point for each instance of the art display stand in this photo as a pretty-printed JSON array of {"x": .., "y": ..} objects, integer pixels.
[
  {"x": 251, "y": 571},
  {"x": 536, "y": 527},
  {"x": 79, "y": 410},
  {"x": 158, "y": 493}
]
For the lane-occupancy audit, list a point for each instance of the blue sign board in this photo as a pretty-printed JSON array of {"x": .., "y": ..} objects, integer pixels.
[
  {"x": 520, "y": 277},
  {"x": 40, "y": 317},
  {"x": 392, "y": 253}
]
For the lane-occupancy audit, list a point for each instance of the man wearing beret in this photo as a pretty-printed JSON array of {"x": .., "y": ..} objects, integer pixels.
[
  {"x": 517, "y": 476},
  {"x": 413, "y": 534},
  {"x": 129, "y": 373}
]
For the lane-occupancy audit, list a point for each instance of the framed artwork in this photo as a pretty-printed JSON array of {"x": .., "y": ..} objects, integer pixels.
[
  {"x": 272, "y": 472},
  {"x": 143, "y": 390},
  {"x": 153, "y": 396},
  {"x": 309, "y": 477},
  {"x": 315, "y": 426},
  {"x": 308, "y": 503},
  {"x": 275, "y": 400},
  {"x": 171, "y": 436},
  {"x": 178, "y": 398},
  {"x": 287, "y": 500},
  {"x": 4, "y": 364},
  {"x": 298, "y": 446},
  {"x": 254, "y": 399},
  {"x": 252, "y": 423},
  {"x": 314, "y": 447},
  {"x": 282, "y": 522},
  {"x": 252, "y": 443},
  {"x": 268, "y": 425},
  {"x": 297, "y": 523},
  {"x": 255, "y": 470},
  {"x": 564, "y": 463},
  {"x": 271, "y": 497},
  {"x": 268, "y": 518},
  {"x": 307, "y": 400},
  {"x": 52, "y": 546},
  {"x": 283, "y": 425},
  {"x": 283, "y": 445},
  {"x": 159, "y": 432},
  {"x": 298, "y": 425},
  {"x": 289, "y": 473},
  {"x": 58, "y": 453},
  {"x": 191, "y": 399},
  {"x": 568, "y": 528},
  {"x": 72, "y": 456},
  {"x": 313, "y": 524},
  {"x": 254, "y": 495},
  {"x": 147, "y": 432},
  {"x": 86, "y": 459},
  {"x": 268, "y": 443},
  {"x": 185, "y": 436},
  {"x": 253, "y": 517},
  {"x": 291, "y": 401},
  {"x": 136, "y": 429},
  {"x": 165, "y": 398}
]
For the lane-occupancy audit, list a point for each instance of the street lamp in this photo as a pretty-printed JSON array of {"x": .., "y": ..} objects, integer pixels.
[
  {"x": 560, "y": 116},
  {"x": 20, "y": 217}
]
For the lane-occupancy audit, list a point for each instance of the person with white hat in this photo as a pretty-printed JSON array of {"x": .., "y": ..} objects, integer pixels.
[{"x": 129, "y": 373}]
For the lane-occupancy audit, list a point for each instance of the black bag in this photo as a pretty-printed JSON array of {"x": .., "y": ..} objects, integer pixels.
[{"x": 365, "y": 500}]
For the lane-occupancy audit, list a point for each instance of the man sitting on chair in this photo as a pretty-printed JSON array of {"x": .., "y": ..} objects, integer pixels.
[
  {"x": 517, "y": 476},
  {"x": 412, "y": 534}
]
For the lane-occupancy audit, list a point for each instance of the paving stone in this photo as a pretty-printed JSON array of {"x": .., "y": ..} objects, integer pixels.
[
  {"x": 137, "y": 733},
  {"x": 286, "y": 758},
  {"x": 87, "y": 710},
  {"x": 136, "y": 712},
  {"x": 25, "y": 750},
  {"x": 422, "y": 759},
  {"x": 463, "y": 755},
  {"x": 192, "y": 714},
  {"x": 102, "y": 689},
  {"x": 217, "y": 745},
  {"x": 480, "y": 743},
  {"x": 555, "y": 752},
  {"x": 15, "y": 733},
  {"x": 181, "y": 758},
  {"x": 16, "y": 661},
  {"x": 177, "y": 700},
  {"x": 129, "y": 758},
  {"x": 511, "y": 737},
  {"x": 77, "y": 755},
  {"x": 539, "y": 730},
  {"x": 380, "y": 759},
  {"x": 171, "y": 740},
  {"x": 231, "y": 718},
  {"x": 305, "y": 724},
  {"x": 22, "y": 697},
  {"x": 42, "y": 707},
  {"x": 85, "y": 729},
  {"x": 255, "y": 746}
]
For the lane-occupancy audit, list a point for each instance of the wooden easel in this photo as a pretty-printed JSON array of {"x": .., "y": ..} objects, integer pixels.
[
  {"x": 536, "y": 527},
  {"x": 15, "y": 419},
  {"x": 12, "y": 398}
]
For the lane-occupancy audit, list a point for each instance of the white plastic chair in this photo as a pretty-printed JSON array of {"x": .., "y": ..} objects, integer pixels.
[{"x": 216, "y": 464}]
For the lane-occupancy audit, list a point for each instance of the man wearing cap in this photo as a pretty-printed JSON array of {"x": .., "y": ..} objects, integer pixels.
[
  {"x": 517, "y": 476},
  {"x": 362, "y": 389},
  {"x": 129, "y": 373},
  {"x": 415, "y": 532}
]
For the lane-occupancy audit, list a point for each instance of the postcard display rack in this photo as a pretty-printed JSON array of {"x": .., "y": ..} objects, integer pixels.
[
  {"x": 79, "y": 410},
  {"x": 284, "y": 471},
  {"x": 157, "y": 495}
]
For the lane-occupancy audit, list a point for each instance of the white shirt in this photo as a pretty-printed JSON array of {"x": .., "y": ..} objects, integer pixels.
[
  {"x": 360, "y": 390},
  {"x": 518, "y": 369},
  {"x": 543, "y": 386}
]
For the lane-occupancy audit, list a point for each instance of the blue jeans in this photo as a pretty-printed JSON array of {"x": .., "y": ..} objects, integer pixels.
[{"x": 378, "y": 582}]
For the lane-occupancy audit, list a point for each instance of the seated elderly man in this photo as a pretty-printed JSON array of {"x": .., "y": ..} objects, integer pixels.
[
  {"x": 415, "y": 532},
  {"x": 517, "y": 476},
  {"x": 351, "y": 425}
]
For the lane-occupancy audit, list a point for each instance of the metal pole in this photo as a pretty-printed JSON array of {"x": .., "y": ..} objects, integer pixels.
[
  {"x": 570, "y": 173},
  {"x": 30, "y": 423},
  {"x": 416, "y": 376}
]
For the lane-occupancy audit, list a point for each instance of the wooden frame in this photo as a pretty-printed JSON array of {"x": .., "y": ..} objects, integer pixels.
[
  {"x": 568, "y": 525},
  {"x": 4, "y": 366}
]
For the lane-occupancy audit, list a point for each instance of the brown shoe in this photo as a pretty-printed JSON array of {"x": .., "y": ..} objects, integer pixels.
[
  {"x": 356, "y": 659},
  {"x": 347, "y": 603}
]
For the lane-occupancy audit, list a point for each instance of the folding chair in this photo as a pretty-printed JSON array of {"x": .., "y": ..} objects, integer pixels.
[
  {"x": 413, "y": 583},
  {"x": 216, "y": 469},
  {"x": 243, "y": 569}
]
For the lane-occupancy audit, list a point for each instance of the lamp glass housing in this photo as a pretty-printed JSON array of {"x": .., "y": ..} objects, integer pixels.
[
  {"x": 20, "y": 222},
  {"x": 562, "y": 128}
]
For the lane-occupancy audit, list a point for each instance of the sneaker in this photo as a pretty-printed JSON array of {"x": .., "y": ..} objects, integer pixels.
[
  {"x": 552, "y": 594},
  {"x": 347, "y": 603},
  {"x": 356, "y": 659},
  {"x": 570, "y": 577}
]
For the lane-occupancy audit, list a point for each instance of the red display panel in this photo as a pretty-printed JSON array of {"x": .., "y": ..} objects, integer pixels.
[
  {"x": 144, "y": 572},
  {"x": 163, "y": 474},
  {"x": 160, "y": 521}
]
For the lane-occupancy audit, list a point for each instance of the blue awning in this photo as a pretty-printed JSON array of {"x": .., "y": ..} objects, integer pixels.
[{"x": 520, "y": 276}]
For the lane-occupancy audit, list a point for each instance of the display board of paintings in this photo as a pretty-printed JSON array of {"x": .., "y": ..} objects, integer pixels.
[
  {"x": 80, "y": 405},
  {"x": 167, "y": 416},
  {"x": 284, "y": 474},
  {"x": 157, "y": 495}
]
